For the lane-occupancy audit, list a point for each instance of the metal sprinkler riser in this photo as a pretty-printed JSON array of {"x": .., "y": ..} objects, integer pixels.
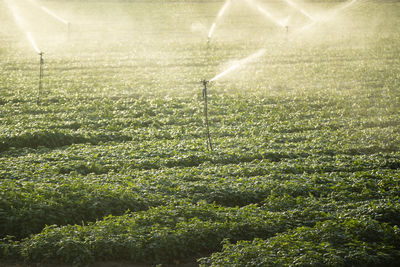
[
  {"x": 204, "y": 82},
  {"x": 209, "y": 144},
  {"x": 40, "y": 76}
]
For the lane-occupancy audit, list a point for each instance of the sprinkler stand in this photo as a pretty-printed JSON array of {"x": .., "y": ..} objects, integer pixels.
[
  {"x": 209, "y": 144},
  {"x": 40, "y": 77}
]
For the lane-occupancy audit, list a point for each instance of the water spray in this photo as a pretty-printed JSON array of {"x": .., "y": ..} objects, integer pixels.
[
  {"x": 220, "y": 14},
  {"x": 266, "y": 14},
  {"x": 223, "y": 9},
  {"x": 54, "y": 15},
  {"x": 204, "y": 82},
  {"x": 41, "y": 63},
  {"x": 239, "y": 63},
  {"x": 270, "y": 16},
  {"x": 210, "y": 33},
  {"x": 333, "y": 14},
  {"x": 299, "y": 9},
  {"x": 206, "y": 58},
  {"x": 343, "y": 7},
  {"x": 19, "y": 20},
  {"x": 205, "y": 98},
  {"x": 60, "y": 19}
]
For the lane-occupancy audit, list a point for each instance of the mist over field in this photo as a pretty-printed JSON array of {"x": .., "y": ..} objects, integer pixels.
[
  {"x": 108, "y": 110},
  {"x": 122, "y": 45}
]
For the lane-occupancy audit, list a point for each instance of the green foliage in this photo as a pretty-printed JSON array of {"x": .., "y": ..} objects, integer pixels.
[
  {"x": 159, "y": 234},
  {"x": 113, "y": 164},
  {"x": 349, "y": 242}
]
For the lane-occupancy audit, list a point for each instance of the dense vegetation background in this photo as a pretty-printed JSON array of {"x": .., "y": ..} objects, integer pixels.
[{"x": 112, "y": 164}]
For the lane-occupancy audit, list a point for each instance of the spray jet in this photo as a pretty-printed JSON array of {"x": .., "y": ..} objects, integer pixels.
[
  {"x": 220, "y": 14},
  {"x": 54, "y": 15},
  {"x": 266, "y": 13},
  {"x": 341, "y": 8},
  {"x": 41, "y": 62},
  {"x": 51, "y": 13},
  {"x": 21, "y": 23},
  {"x": 33, "y": 43},
  {"x": 211, "y": 31},
  {"x": 269, "y": 15},
  {"x": 329, "y": 17},
  {"x": 239, "y": 63},
  {"x": 301, "y": 10},
  {"x": 18, "y": 19}
]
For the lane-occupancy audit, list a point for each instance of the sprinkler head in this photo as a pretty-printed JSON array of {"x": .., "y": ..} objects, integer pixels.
[
  {"x": 204, "y": 82},
  {"x": 41, "y": 57}
]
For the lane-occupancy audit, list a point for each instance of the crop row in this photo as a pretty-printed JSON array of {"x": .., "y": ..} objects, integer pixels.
[
  {"x": 288, "y": 157},
  {"x": 168, "y": 233},
  {"x": 340, "y": 242},
  {"x": 48, "y": 197},
  {"x": 325, "y": 122}
]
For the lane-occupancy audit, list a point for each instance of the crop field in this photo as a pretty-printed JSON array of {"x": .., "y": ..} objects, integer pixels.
[{"x": 107, "y": 163}]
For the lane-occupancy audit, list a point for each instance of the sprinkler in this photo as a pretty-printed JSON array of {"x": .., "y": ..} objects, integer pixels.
[
  {"x": 40, "y": 77},
  {"x": 41, "y": 62},
  {"x": 209, "y": 144},
  {"x": 205, "y": 82}
]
